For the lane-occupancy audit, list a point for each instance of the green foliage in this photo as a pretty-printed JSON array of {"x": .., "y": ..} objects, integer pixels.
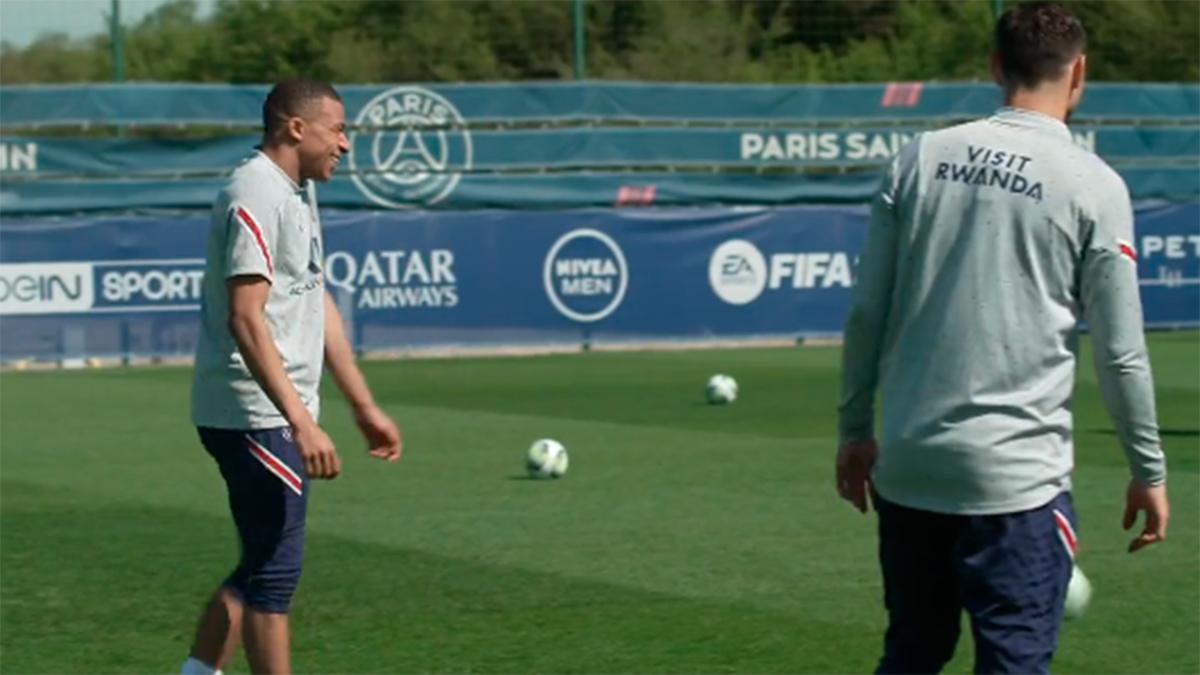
[
  {"x": 55, "y": 58},
  {"x": 1144, "y": 41},
  {"x": 352, "y": 41},
  {"x": 162, "y": 46}
]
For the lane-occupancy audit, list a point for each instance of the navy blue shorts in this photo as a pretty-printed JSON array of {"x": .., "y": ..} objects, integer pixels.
[
  {"x": 1009, "y": 572},
  {"x": 268, "y": 496}
]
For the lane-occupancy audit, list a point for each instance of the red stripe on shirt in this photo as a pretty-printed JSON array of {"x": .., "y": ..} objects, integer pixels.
[
  {"x": 1127, "y": 251},
  {"x": 258, "y": 236}
]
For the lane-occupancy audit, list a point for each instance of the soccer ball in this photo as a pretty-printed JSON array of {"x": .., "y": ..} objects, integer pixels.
[
  {"x": 546, "y": 458},
  {"x": 721, "y": 389},
  {"x": 1079, "y": 594}
]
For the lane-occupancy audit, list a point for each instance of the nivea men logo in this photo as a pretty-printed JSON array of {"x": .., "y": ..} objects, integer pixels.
[
  {"x": 405, "y": 153},
  {"x": 737, "y": 272},
  {"x": 585, "y": 275},
  {"x": 45, "y": 288}
]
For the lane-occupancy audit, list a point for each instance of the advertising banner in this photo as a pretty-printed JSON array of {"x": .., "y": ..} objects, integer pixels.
[{"x": 130, "y": 285}]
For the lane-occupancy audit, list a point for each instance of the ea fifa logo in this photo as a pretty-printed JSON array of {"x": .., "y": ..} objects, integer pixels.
[
  {"x": 410, "y": 148},
  {"x": 737, "y": 272}
]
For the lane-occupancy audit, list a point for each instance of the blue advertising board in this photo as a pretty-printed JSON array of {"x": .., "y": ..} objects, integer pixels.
[{"x": 129, "y": 285}]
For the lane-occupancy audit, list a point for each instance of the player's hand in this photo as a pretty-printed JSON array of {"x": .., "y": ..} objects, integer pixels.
[
  {"x": 316, "y": 449},
  {"x": 1152, "y": 500},
  {"x": 382, "y": 434},
  {"x": 854, "y": 463}
]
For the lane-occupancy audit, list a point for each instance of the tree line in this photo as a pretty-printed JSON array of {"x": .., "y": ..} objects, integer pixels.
[{"x": 780, "y": 41}]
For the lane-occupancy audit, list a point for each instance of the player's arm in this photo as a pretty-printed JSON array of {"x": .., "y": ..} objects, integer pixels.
[
  {"x": 248, "y": 325},
  {"x": 382, "y": 434},
  {"x": 1113, "y": 311},
  {"x": 863, "y": 342},
  {"x": 863, "y": 331},
  {"x": 252, "y": 231}
]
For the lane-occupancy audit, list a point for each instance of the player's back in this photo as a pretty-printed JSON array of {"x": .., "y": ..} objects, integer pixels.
[{"x": 978, "y": 360}]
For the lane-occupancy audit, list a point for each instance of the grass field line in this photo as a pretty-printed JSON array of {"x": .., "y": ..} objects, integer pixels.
[
  {"x": 451, "y": 520},
  {"x": 685, "y": 537},
  {"x": 813, "y": 457},
  {"x": 213, "y": 540},
  {"x": 431, "y": 613}
]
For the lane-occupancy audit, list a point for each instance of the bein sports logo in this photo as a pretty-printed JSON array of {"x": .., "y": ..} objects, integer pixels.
[
  {"x": 406, "y": 153},
  {"x": 113, "y": 286},
  {"x": 46, "y": 288},
  {"x": 737, "y": 272},
  {"x": 585, "y": 275}
]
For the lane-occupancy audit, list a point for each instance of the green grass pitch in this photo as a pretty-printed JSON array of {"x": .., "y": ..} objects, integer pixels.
[{"x": 685, "y": 538}]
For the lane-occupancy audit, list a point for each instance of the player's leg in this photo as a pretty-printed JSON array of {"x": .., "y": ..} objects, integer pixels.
[
  {"x": 1015, "y": 569},
  {"x": 218, "y": 632},
  {"x": 219, "y": 629},
  {"x": 268, "y": 498},
  {"x": 268, "y": 642},
  {"x": 920, "y": 590}
]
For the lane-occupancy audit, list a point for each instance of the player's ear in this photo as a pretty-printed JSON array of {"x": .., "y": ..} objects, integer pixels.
[
  {"x": 1076, "y": 77},
  {"x": 1078, "y": 71},
  {"x": 295, "y": 128}
]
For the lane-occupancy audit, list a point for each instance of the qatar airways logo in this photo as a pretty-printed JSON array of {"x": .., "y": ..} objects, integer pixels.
[{"x": 395, "y": 279}]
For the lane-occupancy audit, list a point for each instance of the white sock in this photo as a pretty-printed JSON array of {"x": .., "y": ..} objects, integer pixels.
[{"x": 194, "y": 666}]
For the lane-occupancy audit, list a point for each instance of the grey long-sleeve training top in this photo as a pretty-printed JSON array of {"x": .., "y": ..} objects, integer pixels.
[{"x": 988, "y": 242}]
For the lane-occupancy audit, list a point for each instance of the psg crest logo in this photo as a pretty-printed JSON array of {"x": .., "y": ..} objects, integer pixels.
[{"x": 409, "y": 149}]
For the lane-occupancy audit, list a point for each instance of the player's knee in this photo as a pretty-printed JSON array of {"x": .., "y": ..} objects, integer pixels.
[{"x": 267, "y": 590}]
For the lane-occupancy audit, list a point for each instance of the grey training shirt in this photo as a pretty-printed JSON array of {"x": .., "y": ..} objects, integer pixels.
[
  {"x": 263, "y": 224},
  {"x": 988, "y": 242}
]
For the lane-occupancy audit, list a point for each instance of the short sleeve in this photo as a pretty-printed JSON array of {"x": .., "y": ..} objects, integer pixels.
[{"x": 251, "y": 242}]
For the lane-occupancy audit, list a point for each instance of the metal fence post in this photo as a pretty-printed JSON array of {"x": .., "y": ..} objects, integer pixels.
[
  {"x": 118, "y": 48},
  {"x": 580, "y": 49}
]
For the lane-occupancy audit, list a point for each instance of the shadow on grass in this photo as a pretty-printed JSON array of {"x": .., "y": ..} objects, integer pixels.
[{"x": 90, "y": 586}]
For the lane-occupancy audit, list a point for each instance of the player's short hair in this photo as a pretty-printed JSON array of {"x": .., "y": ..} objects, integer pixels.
[
  {"x": 293, "y": 98},
  {"x": 1036, "y": 41}
]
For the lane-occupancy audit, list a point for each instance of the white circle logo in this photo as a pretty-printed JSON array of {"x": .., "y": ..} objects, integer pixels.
[
  {"x": 585, "y": 275},
  {"x": 737, "y": 272},
  {"x": 413, "y": 149}
]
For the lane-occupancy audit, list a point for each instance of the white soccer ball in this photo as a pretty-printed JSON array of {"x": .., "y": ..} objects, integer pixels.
[
  {"x": 1079, "y": 594},
  {"x": 721, "y": 389},
  {"x": 546, "y": 458}
]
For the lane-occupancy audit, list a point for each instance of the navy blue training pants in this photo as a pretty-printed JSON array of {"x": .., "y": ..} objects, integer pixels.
[
  {"x": 1008, "y": 571},
  {"x": 268, "y": 497}
]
